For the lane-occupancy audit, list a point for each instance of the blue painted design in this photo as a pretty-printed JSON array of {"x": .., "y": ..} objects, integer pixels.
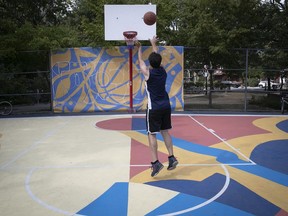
[
  {"x": 113, "y": 202},
  {"x": 236, "y": 200},
  {"x": 223, "y": 156},
  {"x": 102, "y": 72},
  {"x": 183, "y": 201},
  {"x": 283, "y": 126},
  {"x": 138, "y": 123},
  {"x": 266, "y": 173},
  {"x": 273, "y": 155},
  {"x": 228, "y": 157},
  {"x": 236, "y": 195}
]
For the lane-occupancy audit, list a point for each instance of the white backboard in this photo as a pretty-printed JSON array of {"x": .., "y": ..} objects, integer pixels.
[{"x": 120, "y": 18}]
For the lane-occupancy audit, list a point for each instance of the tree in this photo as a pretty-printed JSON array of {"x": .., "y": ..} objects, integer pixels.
[
  {"x": 216, "y": 31},
  {"x": 24, "y": 23}
]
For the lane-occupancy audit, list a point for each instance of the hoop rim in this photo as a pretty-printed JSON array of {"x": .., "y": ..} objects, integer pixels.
[{"x": 130, "y": 34}]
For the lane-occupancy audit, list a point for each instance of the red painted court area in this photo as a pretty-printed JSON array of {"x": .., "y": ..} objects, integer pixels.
[
  {"x": 100, "y": 165},
  {"x": 191, "y": 128},
  {"x": 242, "y": 143}
]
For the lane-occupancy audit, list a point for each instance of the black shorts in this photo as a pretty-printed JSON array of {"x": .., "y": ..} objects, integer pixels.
[{"x": 157, "y": 120}]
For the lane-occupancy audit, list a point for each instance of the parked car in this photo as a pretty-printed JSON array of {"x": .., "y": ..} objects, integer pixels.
[
  {"x": 263, "y": 84},
  {"x": 229, "y": 84}
]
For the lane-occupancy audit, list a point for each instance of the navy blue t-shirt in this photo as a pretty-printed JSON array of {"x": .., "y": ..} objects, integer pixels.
[{"x": 155, "y": 87}]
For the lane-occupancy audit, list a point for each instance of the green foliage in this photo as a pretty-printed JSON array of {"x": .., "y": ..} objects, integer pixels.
[
  {"x": 216, "y": 26},
  {"x": 253, "y": 82},
  {"x": 46, "y": 38}
]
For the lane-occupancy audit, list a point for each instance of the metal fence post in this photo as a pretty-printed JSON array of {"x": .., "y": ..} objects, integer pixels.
[
  {"x": 210, "y": 98},
  {"x": 246, "y": 80}
]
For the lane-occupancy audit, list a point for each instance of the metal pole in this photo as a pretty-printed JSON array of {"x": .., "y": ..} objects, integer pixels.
[
  {"x": 131, "y": 79},
  {"x": 246, "y": 78},
  {"x": 206, "y": 84}
]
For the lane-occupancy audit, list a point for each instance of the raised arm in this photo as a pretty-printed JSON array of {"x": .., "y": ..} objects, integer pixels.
[
  {"x": 143, "y": 68},
  {"x": 153, "y": 42}
]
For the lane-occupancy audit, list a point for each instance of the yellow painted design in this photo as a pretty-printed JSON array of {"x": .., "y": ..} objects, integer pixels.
[
  {"x": 269, "y": 190},
  {"x": 97, "y": 79}
]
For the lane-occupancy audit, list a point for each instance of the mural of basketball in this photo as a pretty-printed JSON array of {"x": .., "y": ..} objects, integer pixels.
[{"x": 97, "y": 79}]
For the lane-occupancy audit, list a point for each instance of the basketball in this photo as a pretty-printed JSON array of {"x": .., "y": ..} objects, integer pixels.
[{"x": 149, "y": 18}]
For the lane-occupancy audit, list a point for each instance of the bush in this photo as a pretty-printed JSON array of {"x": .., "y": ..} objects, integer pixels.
[{"x": 253, "y": 82}]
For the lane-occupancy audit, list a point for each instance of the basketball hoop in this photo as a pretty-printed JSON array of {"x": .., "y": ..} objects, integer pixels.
[{"x": 130, "y": 38}]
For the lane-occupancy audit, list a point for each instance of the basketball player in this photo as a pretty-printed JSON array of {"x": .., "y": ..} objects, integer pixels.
[{"x": 158, "y": 114}]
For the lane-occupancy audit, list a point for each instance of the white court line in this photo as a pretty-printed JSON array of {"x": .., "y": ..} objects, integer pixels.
[
  {"x": 223, "y": 140},
  {"x": 120, "y": 165},
  {"x": 142, "y": 113},
  {"x": 47, "y": 135},
  {"x": 227, "y": 182},
  {"x": 36, "y": 199},
  {"x": 55, "y": 209},
  {"x": 215, "y": 114},
  {"x": 28, "y": 177},
  {"x": 187, "y": 165}
]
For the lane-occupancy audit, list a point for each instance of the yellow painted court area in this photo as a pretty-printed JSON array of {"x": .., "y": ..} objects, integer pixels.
[{"x": 82, "y": 165}]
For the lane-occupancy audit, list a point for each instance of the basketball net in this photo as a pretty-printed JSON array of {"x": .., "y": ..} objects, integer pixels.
[{"x": 130, "y": 37}]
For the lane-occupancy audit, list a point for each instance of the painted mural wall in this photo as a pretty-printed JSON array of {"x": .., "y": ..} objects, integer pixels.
[{"x": 97, "y": 79}]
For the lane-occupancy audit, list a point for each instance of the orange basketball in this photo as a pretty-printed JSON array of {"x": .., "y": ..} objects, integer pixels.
[{"x": 149, "y": 18}]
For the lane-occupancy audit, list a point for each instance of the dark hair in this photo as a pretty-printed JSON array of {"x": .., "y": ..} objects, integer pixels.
[{"x": 155, "y": 59}]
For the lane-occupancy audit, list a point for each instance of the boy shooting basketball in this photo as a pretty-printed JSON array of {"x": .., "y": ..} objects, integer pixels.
[{"x": 158, "y": 114}]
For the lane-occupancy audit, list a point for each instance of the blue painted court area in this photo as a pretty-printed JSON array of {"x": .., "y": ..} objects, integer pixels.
[
  {"x": 100, "y": 165},
  {"x": 115, "y": 199}
]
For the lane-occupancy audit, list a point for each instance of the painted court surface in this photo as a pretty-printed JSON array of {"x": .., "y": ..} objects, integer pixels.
[{"x": 100, "y": 165}]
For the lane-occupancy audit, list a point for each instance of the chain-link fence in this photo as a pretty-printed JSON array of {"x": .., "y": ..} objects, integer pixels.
[
  {"x": 235, "y": 80},
  {"x": 25, "y": 81},
  {"x": 232, "y": 80}
]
